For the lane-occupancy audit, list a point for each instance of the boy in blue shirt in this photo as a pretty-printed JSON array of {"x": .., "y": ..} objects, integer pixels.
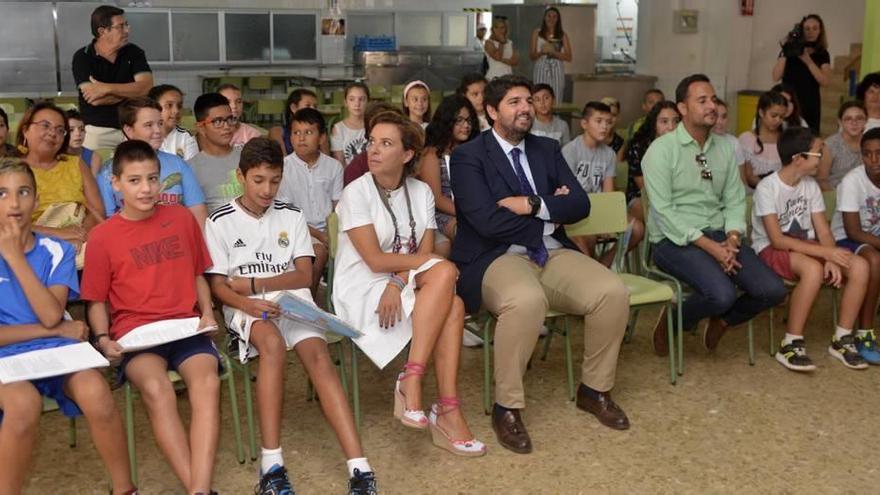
[{"x": 37, "y": 278}]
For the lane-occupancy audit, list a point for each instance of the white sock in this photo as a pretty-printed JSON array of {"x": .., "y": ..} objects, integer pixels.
[
  {"x": 790, "y": 337},
  {"x": 359, "y": 463},
  {"x": 840, "y": 332},
  {"x": 863, "y": 332},
  {"x": 269, "y": 458}
]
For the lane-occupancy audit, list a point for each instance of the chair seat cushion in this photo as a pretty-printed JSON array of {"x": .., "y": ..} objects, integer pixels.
[{"x": 646, "y": 291}]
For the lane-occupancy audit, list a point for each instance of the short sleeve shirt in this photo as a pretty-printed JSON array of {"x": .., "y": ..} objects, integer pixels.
[
  {"x": 181, "y": 143},
  {"x": 130, "y": 61},
  {"x": 216, "y": 175},
  {"x": 856, "y": 193},
  {"x": 349, "y": 141},
  {"x": 590, "y": 167},
  {"x": 312, "y": 189},
  {"x": 556, "y": 129},
  {"x": 178, "y": 185},
  {"x": 52, "y": 261},
  {"x": 764, "y": 160},
  {"x": 244, "y": 134},
  {"x": 146, "y": 269},
  {"x": 843, "y": 159},
  {"x": 793, "y": 206}
]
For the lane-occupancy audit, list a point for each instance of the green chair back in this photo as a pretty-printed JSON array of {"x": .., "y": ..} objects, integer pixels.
[
  {"x": 270, "y": 107},
  {"x": 621, "y": 176},
  {"x": 259, "y": 83},
  {"x": 237, "y": 81},
  {"x": 830, "y": 198},
  {"x": 7, "y": 107},
  {"x": 607, "y": 216}
]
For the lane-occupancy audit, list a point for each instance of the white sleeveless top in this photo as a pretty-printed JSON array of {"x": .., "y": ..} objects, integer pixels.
[{"x": 497, "y": 68}]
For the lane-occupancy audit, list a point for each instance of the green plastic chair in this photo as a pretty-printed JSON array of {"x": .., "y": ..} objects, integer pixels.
[
  {"x": 178, "y": 383},
  {"x": 9, "y": 108},
  {"x": 608, "y": 217},
  {"x": 621, "y": 176},
  {"x": 49, "y": 405},
  {"x": 652, "y": 271},
  {"x": 19, "y": 104},
  {"x": 259, "y": 83}
]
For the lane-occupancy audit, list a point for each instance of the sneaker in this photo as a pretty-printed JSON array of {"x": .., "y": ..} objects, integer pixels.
[
  {"x": 867, "y": 347},
  {"x": 274, "y": 482},
  {"x": 794, "y": 356},
  {"x": 470, "y": 339},
  {"x": 845, "y": 350},
  {"x": 362, "y": 483}
]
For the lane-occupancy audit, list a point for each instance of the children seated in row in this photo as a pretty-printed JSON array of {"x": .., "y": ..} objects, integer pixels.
[
  {"x": 758, "y": 146},
  {"x": 614, "y": 140},
  {"x": 649, "y": 99},
  {"x": 856, "y": 226},
  {"x": 216, "y": 164},
  {"x": 75, "y": 144},
  {"x": 261, "y": 248},
  {"x": 842, "y": 152},
  {"x": 243, "y": 132},
  {"x": 145, "y": 265},
  {"x": 791, "y": 234},
  {"x": 416, "y": 102},
  {"x": 662, "y": 118},
  {"x": 6, "y": 149},
  {"x": 546, "y": 123},
  {"x": 347, "y": 137},
  {"x": 473, "y": 87},
  {"x": 297, "y": 100},
  {"x": 141, "y": 119},
  {"x": 454, "y": 123},
  {"x": 38, "y": 276},
  {"x": 312, "y": 181},
  {"x": 176, "y": 140}
]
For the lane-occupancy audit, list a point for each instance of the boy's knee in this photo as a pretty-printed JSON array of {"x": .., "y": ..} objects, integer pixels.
[
  {"x": 22, "y": 410},
  {"x": 156, "y": 390}
]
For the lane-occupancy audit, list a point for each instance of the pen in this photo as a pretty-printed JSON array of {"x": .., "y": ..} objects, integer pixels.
[{"x": 263, "y": 295}]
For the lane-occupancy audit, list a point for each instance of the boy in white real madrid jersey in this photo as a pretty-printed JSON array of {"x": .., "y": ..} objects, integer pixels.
[{"x": 261, "y": 248}]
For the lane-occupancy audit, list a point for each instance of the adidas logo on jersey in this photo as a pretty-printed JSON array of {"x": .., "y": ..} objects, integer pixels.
[{"x": 239, "y": 243}]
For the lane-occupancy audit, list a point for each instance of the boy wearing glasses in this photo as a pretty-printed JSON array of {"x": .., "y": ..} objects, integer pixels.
[
  {"x": 696, "y": 220},
  {"x": 312, "y": 181},
  {"x": 856, "y": 226},
  {"x": 791, "y": 235},
  {"x": 216, "y": 164}
]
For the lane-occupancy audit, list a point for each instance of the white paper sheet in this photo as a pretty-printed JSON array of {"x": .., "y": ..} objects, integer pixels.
[
  {"x": 161, "y": 332},
  {"x": 55, "y": 361}
]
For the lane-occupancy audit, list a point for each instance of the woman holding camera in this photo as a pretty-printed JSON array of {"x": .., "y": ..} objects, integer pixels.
[{"x": 804, "y": 64}]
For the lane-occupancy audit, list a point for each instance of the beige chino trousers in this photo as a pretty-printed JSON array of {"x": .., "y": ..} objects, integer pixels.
[{"x": 519, "y": 293}]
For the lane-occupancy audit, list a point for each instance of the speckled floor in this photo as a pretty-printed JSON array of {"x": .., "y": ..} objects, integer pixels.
[{"x": 726, "y": 427}]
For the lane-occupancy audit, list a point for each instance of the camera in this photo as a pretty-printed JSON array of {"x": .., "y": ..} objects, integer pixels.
[{"x": 794, "y": 42}]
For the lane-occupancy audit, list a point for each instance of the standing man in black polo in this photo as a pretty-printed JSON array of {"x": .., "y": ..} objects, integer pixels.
[{"x": 107, "y": 71}]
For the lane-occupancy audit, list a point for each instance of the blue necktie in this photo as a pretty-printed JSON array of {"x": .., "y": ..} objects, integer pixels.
[{"x": 538, "y": 255}]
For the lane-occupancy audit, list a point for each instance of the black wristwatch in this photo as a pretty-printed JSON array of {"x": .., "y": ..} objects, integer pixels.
[{"x": 535, "y": 203}]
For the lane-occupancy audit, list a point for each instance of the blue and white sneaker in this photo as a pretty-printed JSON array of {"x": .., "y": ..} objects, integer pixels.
[
  {"x": 274, "y": 482},
  {"x": 867, "y": 347}
]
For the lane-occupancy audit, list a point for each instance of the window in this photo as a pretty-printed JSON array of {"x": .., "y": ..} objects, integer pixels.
[
  {"x": 294, "y": 37},
  {"x": 456, "y": 30},
  {"x": 247, "y": 37},
  {"x": 149, "y": 30},
  {"x": 195, "y": 37},
  {"x": 419, "y": 29}
]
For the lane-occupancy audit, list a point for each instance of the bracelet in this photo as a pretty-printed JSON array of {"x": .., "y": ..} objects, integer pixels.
[
  {"x": 97, "y": 338},
  {"x": 253, "y": 287},
  {"x": 397, "y": 282}
]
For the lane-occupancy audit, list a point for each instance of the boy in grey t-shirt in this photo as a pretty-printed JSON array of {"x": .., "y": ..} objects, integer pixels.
[
  {"x": 216, "y": 164},
  {"x": 546, "y": 124},
  {"x": 591, "y": 160}
]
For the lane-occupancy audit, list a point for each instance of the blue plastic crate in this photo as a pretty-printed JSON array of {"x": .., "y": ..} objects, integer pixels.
[{"x": 375, "y": 43}]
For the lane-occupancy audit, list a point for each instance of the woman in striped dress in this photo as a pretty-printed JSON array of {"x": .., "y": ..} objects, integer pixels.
[{"x": 549, "y": 49}]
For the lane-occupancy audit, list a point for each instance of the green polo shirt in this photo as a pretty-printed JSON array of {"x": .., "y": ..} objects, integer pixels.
[{"x": 683, "y": 204}]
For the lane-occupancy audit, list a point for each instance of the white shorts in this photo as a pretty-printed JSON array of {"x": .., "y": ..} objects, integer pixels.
[{"x": 239, "y": 324}]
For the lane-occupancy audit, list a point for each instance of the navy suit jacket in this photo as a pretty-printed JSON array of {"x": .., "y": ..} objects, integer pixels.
[{"x": 481, "y": 175}]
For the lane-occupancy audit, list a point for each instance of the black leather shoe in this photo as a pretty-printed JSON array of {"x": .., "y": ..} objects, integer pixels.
[
  {"x": 606, "y": 411},
  {"x": 510, "y": 430}
]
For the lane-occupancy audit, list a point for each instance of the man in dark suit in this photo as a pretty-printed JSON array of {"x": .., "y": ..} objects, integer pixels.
[{"x": 513, "y": 192}]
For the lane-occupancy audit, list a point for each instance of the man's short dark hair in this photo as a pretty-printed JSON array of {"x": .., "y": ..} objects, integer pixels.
[
  {"x": 543, "y": 87},
  {"x": 102, "y": 17},
  {"x": 650, "y": 92},
  {"x": 469, "y": 79},
  {"x": 595, "y": 107},
  {"x": 498, "y": 88},
  {"x": 872, "y": 79},
  {"x": 129, "y": 109},
  {"x": 871, "y": 135},
  {"x": 681, "y": 91},
  {"x": 133, "y": 150},
  {"x": 794, "y": 141},
  {"x": 310, "y": 116},
  {"x": 261, "y": 151},
  {"x": 204, "y": 103}
]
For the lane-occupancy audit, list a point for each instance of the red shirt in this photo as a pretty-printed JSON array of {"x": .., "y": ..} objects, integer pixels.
[
  {"x": 146, "y": 269},
  {"x": 358, "y": 167}
]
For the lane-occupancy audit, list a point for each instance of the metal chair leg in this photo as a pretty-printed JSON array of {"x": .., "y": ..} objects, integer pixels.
[
  {"x": 487, "y": 378},
  {"x": 569, "y": 366},
  {"x": 71, "y": 433},
  {"x": 355, "y": 387},
  {"x": 670, "y": 342},
  {"x": 129, "y": 433},
  {"x": 751, "y": 337}
]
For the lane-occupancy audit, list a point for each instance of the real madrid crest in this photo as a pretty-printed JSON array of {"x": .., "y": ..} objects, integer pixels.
[{"x": 283, "y": 241}]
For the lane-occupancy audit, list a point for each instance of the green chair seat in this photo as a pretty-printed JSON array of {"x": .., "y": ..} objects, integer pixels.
[{"x": 646, "y": 291}]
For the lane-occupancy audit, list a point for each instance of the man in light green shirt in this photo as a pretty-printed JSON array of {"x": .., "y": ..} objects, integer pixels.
[{"x": 697, "y": 218}]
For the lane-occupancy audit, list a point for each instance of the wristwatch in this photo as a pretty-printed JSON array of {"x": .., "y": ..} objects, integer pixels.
[{"x": 535, "y": 204}]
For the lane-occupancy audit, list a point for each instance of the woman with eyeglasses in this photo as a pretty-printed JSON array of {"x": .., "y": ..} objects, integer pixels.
[
  {"x": 454, "y": 122},
  {"x": 842, "y": 149},
  {"x": 390, "y": 285},
  {"x": 69, "y": 202}
]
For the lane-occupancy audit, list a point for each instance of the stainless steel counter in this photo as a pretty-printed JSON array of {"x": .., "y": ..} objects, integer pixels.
[{"x": 440, "y": 69}]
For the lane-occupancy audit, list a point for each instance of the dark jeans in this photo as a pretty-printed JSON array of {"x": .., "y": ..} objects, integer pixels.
[{"x": 715, "y": 291}]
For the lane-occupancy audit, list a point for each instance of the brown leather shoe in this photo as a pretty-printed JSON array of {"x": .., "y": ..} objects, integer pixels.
[
  {"x": 510, "y": 431},
  {"x": 606, "y": 411},
  {"x": 661, "y": 335},
  {"x": 714, "y": 331}
]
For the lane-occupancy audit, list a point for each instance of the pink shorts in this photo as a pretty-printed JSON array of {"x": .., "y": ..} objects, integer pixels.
[{"x": 780, "y": 261}]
